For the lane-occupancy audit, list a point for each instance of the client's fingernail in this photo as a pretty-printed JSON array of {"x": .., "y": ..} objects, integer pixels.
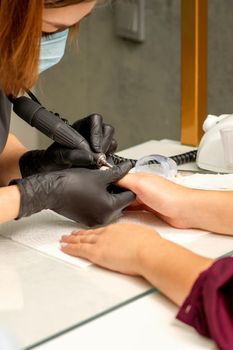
[
  {"x": 63, "y": 245},
  {"x": 64, "y": 236}
]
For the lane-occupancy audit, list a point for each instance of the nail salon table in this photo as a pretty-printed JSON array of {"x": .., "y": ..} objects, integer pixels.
[{"x": 49, "y": 304}]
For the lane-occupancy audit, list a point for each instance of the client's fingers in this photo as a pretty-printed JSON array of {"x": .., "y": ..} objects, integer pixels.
[
  {"x": 85, "y": 238},
  {"x": 79, "y": 232},
  {"x": 81, "y": 250},
  {"x": 90, "y": 238},
  {"x": 86, "y": 232},
  {"x": 70, "y": 239},
  {"x": 129, "y": 181}
]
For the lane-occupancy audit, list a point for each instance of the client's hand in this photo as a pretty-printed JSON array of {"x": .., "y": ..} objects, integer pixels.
[
  {"x": 166, "y": 199},
  {"x": 118, "y": 247},
  {"x": 139, "y": 250}
]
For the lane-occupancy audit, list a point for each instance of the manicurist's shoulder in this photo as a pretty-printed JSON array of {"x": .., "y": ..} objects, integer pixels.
[{"x": 5, "y": 115}]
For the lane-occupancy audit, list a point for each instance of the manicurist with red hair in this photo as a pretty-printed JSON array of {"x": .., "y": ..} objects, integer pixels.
[{"x": 33, "y": 36}]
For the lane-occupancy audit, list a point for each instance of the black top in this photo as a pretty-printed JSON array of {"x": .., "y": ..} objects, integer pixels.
[{"x": 5, "y": 116}]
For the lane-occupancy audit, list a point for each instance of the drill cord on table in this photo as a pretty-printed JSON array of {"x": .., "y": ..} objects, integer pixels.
[{"x": 183, "y": 158}]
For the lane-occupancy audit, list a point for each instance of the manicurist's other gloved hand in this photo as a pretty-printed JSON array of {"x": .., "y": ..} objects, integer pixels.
[
  {"x": 79, "y": 194},
  {"x": 99, "y": 137}
]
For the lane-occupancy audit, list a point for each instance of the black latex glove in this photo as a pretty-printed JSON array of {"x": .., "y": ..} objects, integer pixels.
[
  {"x": 78, "y": 194},
  {"x": 99, "y": 136}
]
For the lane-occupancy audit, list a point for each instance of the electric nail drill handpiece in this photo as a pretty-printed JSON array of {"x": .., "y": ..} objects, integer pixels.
[{"x": 52, "y": 126}]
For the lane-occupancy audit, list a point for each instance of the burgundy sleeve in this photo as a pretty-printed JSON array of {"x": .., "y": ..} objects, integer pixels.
[{"x": 209, "y": 306}]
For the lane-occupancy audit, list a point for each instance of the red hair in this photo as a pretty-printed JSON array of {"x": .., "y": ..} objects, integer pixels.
[{"x": 20, "y": 34}]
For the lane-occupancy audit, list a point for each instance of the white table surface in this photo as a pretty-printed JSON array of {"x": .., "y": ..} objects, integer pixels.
[
  {"x": 94, "y": 308},
  {"x": 148, "y": 323}
]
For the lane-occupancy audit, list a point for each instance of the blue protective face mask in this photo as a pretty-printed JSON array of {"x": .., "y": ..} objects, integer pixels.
[{"x": 52, "y": 49}]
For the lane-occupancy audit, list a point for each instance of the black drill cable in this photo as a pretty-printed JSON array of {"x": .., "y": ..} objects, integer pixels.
[
  {"x": 183, "y": 158},
  {"x": 33, "y": 97}
]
